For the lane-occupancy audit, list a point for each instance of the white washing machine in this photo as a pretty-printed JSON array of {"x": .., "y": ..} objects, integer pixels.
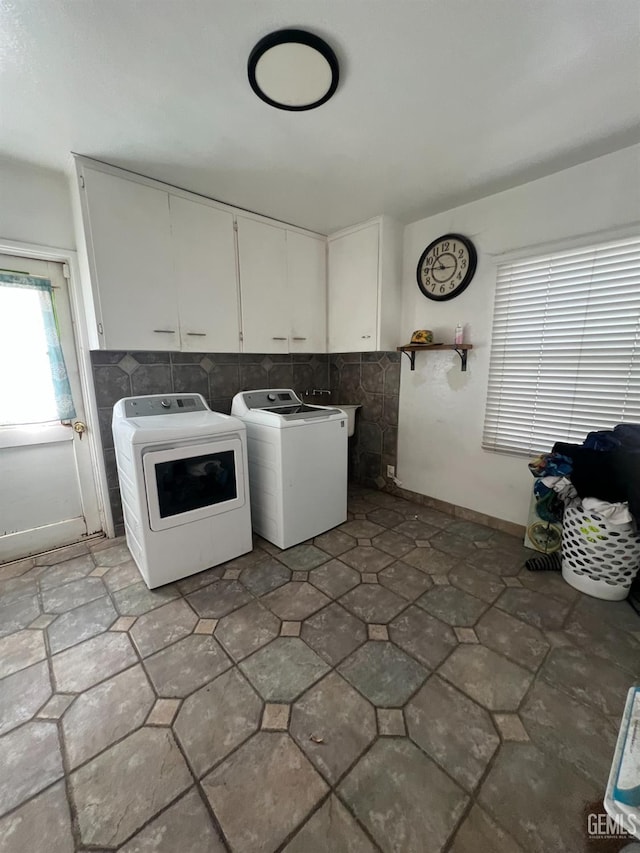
[
  {"x": 297, "y": 464},
  {"x": 184, "y": 484}
]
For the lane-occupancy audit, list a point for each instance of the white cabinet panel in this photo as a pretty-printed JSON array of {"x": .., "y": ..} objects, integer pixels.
[
  {"x": 204, "y": 255},
  {"x": 130, "y": 257},
  {"x": 307, "y": 292},
  {"x": 262, "y": 253},
  {"x": 353, "y": 290}
]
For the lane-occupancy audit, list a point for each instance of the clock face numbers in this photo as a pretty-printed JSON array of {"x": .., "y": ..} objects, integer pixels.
[{"x": 446, "y": 267}]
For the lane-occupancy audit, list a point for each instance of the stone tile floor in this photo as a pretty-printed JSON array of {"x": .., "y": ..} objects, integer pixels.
[{"x": 398, "y": 684}]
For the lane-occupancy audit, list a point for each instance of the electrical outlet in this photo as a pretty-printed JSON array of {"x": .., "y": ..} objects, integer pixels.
[{"x": 391, "y": 471}]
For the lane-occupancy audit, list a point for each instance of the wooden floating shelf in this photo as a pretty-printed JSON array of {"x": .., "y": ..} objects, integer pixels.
[{"x": 410, "y": 351}]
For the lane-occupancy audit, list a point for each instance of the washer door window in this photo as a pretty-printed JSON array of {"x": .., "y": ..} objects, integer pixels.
[{"x": 190, "y": 483}]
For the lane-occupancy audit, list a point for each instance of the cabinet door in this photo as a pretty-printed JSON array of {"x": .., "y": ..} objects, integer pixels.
[
  {"x": 307, "y": 292},
  {"x": 353, "y": 291},
  {"x": 262, "y": 252},
  {"x": 204, "y": 256},
  {"x": 129, "y": 248}
]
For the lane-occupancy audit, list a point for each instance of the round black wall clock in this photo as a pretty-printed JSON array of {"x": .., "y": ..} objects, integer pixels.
[{"x": 446, "y": 267}]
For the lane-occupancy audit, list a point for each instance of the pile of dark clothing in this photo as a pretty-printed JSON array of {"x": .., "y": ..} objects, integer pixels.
[{"x": 604, "y": 469}]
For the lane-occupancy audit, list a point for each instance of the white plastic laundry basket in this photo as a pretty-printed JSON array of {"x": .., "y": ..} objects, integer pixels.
[{"x": 599, "y": 558}]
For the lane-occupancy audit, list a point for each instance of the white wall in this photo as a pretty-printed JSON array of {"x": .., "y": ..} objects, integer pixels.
[
  {"x": 441, "y": 408},
  {"x": 35, "y": 205}
]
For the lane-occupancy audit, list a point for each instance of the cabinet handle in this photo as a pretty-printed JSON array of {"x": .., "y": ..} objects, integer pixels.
[
  {"x": 165, "y": 331},
  {"x": 298, "y": 339},
  {"x": 197, "y": 334},
  {"x": 366, "y": 336},
  {"x": 279, "y": 339}
]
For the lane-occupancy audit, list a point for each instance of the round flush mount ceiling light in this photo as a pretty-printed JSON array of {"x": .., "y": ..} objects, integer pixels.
[{"x": 293, "y": 70}]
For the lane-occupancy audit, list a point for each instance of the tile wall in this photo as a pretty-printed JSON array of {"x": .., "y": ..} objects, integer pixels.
[{"x": 370, "y": 379}]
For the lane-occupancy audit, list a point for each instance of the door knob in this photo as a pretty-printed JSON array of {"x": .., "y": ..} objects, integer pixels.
[{"x": 79, "y": 428}]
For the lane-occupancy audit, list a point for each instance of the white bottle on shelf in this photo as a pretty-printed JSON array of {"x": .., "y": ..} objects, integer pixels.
[{"x": 459, "y": 334}]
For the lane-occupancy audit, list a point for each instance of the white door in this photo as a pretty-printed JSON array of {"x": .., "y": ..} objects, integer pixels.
[
  {"x": 307, "y": 292},
  {"x": 131, "y": 264},
  {"x": 204, "y": 256},
  {"x": 353, "y": 291},
  {"x": 47, "y": 488},
  {"x": 262, "y": 254}
]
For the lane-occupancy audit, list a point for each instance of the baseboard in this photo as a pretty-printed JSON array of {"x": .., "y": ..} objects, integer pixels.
[{"x": 461, "y": 512}]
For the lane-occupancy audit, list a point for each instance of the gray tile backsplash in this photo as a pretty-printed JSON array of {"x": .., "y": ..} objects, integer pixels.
[{"x": 369, "y": 379}]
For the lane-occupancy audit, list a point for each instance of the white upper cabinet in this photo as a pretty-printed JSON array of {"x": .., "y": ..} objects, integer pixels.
[
  {"x": 262, "y": 255},
  {"x": 307, "y": 292},
  {"x": 204, "y": 258},
  {"x": 364, "y": 291},
  {"x": 129, "y": 253},
  {"x": 283, "y": 288}
]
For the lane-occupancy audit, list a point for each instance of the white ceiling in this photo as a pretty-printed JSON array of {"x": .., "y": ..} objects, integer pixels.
[{"x": 440, "y": 101}]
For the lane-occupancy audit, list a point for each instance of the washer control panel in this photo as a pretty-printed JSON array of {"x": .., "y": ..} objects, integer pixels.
[
  {"x": 267, "y": 399},
  {"x": 168, "y": 404}
]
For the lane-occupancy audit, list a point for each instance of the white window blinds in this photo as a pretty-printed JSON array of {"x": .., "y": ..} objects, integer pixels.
[{"x": 565, "y": 349}]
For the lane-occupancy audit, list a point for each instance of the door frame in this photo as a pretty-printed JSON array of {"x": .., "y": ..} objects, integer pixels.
[{"x": 81, "y": 339}]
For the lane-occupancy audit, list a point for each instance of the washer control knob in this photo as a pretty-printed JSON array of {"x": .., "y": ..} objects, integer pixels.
[
  {"x": 271, "y": 397},
  {"x": 166, "y": 404}
]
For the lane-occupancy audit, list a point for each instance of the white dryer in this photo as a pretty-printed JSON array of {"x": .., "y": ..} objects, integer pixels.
[
  {"x": 184, "y": 484},
  {"x": 297, "y": 464}
]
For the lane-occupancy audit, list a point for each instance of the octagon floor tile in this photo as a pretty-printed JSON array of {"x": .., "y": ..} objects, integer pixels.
[
  {"x": 30, "y": 760},
  {"x": 479, "y": 834},
  {"x": 452, "y": 605},
  {"x": 70, "y": 595},
  {"x": 569, "y": 730},
  {"x": 385, "y": 517},
  {"x": 373, "y": 603},
  {"x": 46, "y": 816},
  {"x": 541, "y": 817},
  {"x": 20, "y": 650},
  {"x": 487, "y": 677},
  {"x": 218, "y": 599},
  {"x": 361, "y": 529},
  {"x": 69, "y": 570},
  {"x": 162, "y": 626},
  {"x": 365, "y": 558},
  {"x": 597, "y": 635},
  {"x": 423, "y": 636},
  {"x": 282, "y": 670},
  {"x": 383, "y": 673},
  {"x": 82, "y": 666},
  {"x": 106, "y": 713},
  {"x": 334, "y": 578},
  {"x": 295, "y": 601},
  {"x": 496, "y": 561},
  {"x": 484, "y": 585},
  {"x": 112, "y": 556},
  {"x": 285, "y": 777},
  {"x": 18, "y": 614},
  {"x": 80, "y": 624},
  {"x": 330, "y": 828},
  {"x": 303, "y": 558},
  {"x": 393, "y": 543},
  {"x": 388, "y": 789},
  {"x": 137, "y": 598},
  {"x": 456, "y": 546},
  {"x": 187, "y": 665},
  {"x": 405, "y": 580},
  {"x": 121, "y": 789},
  {"x": 122, "y": 576},
  {"x": 214, "y": 720},
  {"x": 247, "y": 629},
  {"x": 265, "y": 576},
  {"x": 512, "y": 638},
  {"x": 430, "y": 560},
  {"x": 415, "y": 528},
  {"x": 335, "y": 542},
  {"x": 453, "y": 730},
  {"x": 333, "y": 633},
  {"x": 588, "y": 678},
  {"x": 538, "y": 610},
  {"x": 333, "y": 725},
  {"x": 185, "y": 827},
  {"x": 22, "y": 693}
]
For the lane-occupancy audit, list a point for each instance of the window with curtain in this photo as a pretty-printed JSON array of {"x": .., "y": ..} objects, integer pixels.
[
  {"x": 565, "y": 347},
  {"x": 34, "y": 386}
]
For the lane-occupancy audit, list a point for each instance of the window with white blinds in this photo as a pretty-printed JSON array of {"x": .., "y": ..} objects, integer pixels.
[{"x": 565, "y": 348}]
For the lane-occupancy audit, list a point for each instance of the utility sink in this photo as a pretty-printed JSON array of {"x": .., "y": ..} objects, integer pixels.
[{"x": 350, "y": 411}]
